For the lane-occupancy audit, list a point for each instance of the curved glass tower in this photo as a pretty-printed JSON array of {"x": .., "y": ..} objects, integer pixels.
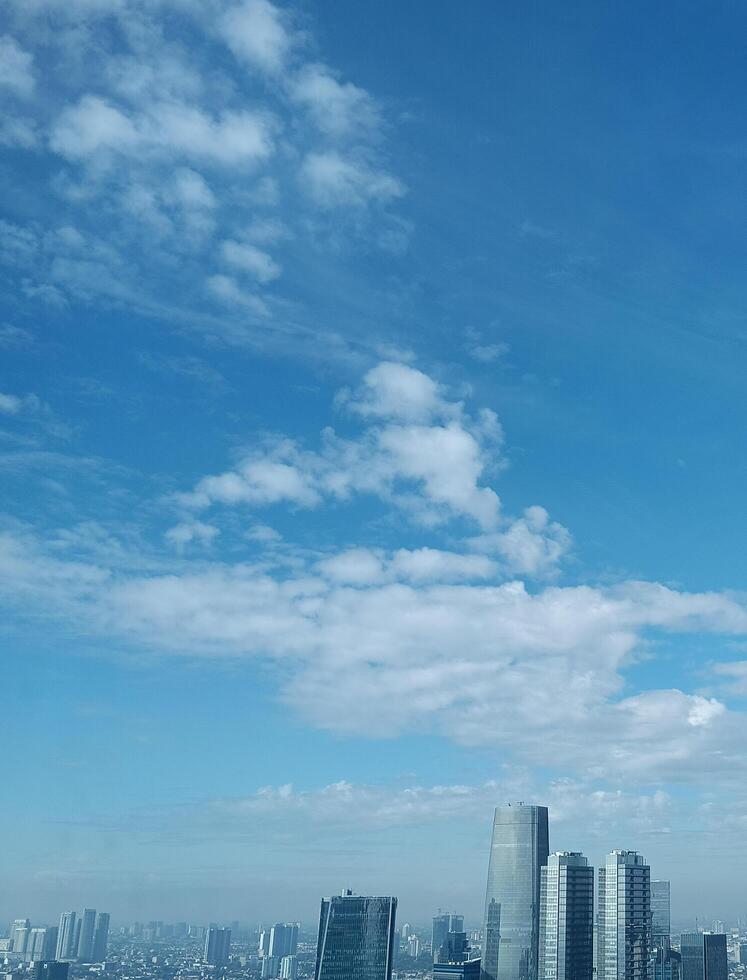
[{"x": 518, "y": 850}]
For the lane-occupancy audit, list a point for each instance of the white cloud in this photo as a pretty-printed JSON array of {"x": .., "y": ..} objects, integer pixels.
[
  {"x": 397, "y": 391},
  {"x": 190, "y": 532},
  {"x": 432, "y": 471},
  {"x": 735, "y": 675},
  {"x": 228, "y": 291},
  {"x": 251, "y": 259},
  {"x": 531, "y": 545},
  {"x": 95, "y": 126},
  {"x": 10, "y": 404},
  {"x": 332, "y": 180},
  {"x": 16, "y": 67},
  {"x": 337, "y": 108},
  {"x": 255, "y": 32}
]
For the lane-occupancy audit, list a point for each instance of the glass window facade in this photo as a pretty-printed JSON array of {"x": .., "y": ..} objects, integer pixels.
[
  {"x": 624, "y": 918},
  {"x": 566, "y": 938},
  {"x": 356, "y": 938},
  {"x": 519, "y": 848}
]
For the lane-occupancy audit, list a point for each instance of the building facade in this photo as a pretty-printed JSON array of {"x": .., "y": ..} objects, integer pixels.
[
  {"x": 566, "y": 937},
  {"x": 704, "y": 956},
  {"x": 217, "y": 946},
  {"x": 356, "y": 938},
  {"x": 624, "y": 918},
  {"x": 660, "y": 914},
  {"x": 66, "y": 937},
  {"x": 518, "y": 850}
]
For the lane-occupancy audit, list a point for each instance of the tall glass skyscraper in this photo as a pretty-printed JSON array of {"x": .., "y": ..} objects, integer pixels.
[
  {"x": 624, "y": 919},
  {"x": 66, "y": 944},
  {"x": 356, "y": 938},
  {"x": 660, "y": 914},
  {"x": 217, "y": 946},
  {"x": 704, "y": 956},
  {"x": 87, "y": 933},
  {"x": 519, "y": 848},
  {"x": 566, "y": 937}
]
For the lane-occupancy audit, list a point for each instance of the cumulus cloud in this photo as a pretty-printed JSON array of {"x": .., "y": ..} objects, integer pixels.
[
  {"x": 188, "y": 532},
  {"x": 433, "y": 471},
  {"x": 337, "y": 108},
  {"x": 255, "y": 32},
  {"x": 94, "y": 126},
  {"x": 250, "y": 259},
  {"x": 16, "y": 67},
  {"x": 333, "y": 180}
]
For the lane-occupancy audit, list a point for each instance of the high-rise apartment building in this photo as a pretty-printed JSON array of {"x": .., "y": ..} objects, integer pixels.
[
  {"x": 42, "y": 944},
  {"x": 19, "y": 936},
  {"x": 566, "y": 932},
  {"x": 445, "y": 924},
  {"x": 289, "y": 967},
  {"x": 624, "y": 917},
  {"x": 66, "y": 948},
  {"x": 87, "y": 932},
  {"x": 660, "y": 914},
  {"x": 704, "y": 956},
  {"x": 518, "y": 849},
  {"x": 101, "y": 937},
  {"x": 217, "y": 946},
  {"x": 356, "y": 938}
]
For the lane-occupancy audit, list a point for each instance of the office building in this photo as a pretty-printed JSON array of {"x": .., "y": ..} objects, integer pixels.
[
  {"x": 19, "y": 936},
  {"x": 743, "y": 954},
  {"x": 66, "y": 948},
  {"x": 667, "y": 963},
  {"x": 518, "y": 849},
  {"x": 283, "y": 939},
  {"x": 101, "y": 937},
  {"x": 445, "y": 924},
  {"x": 42, "y": 944},
  {"x": 85, "y": 940},
  {"x": 624, "y": 918},
  {"x": 704, "y": 956},
  {"x": 51, "y": 970},
  {"x": 566, "y": 936},
  {"x": 217, "y": 946},
  {"x": 289, "y": 968},
  {"x": 467, "y": 970},
  {"x": 356, "y": 938},
  {"x": 660, "y": 914}
]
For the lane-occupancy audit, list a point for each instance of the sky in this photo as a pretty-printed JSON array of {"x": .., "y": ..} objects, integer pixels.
[{"x": 372, "y": 431}]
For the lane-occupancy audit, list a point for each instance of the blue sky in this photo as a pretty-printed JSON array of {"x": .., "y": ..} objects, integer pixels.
[{"x": 371, "y": 447}]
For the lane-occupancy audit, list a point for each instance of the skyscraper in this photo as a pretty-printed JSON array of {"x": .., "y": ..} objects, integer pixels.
[
  {"x": 566, "y": 937},
  {"x": 704, "y": 956},
  {"x": 444, "y": 925},
  {"x": 66, "y": 948},
  {"x": 439, "y": 932},
  {"x": 468, "y": 970},
  {"x": 87, "y": 932},
  {"x": 52, "y": 970},
  {"x": 42, "y": 944},
  {"x": 356, "y": 938},
  {"x": 19, "y": 936},
  {"x": 101, "y": 937},
  {"x": 624, "y": 917},
  {"x": 660, "y": 914},
  {"x": 519, "y": 848},
  {"x": 217, "y": 946}
]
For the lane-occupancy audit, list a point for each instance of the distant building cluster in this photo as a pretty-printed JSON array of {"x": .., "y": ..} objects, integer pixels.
[{"x": 547, "y": 916}]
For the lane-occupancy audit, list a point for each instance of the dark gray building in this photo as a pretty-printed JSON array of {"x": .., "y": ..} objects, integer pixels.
[
  {"x": 217, "y": 946},
  {"x": 660, "y": 913},
  {"x": 624, "y": 918},
  {"x": 704, "y": 956},
  {"x": 518, "y": 850},
  {"x": 87, "y": 932},
  {"x": 356, "y": 938},
  {"x": 468, "y": 970},
  {"x": 566, "y": 936},
  {"x": 101, "y": 937}
]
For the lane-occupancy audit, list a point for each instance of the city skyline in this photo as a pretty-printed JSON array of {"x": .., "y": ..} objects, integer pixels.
[{"x": 372, "y": 431}]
